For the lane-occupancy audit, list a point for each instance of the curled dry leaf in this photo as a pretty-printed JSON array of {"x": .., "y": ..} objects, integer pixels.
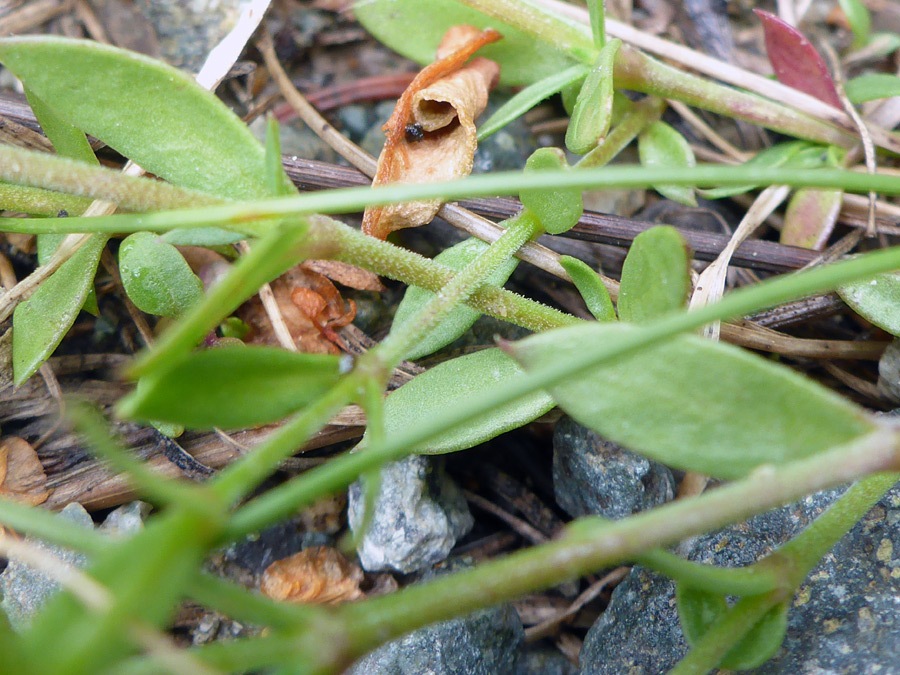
[
  {"x": 22, "y": 477},
  {"x": 319, "y": 575},
  {"x": 312, "y": 309},
  {"x": 430, "y": 136}
]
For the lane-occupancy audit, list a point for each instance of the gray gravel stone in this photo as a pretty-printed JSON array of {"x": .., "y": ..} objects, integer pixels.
[
  {"x": 24, "y": 589},
  {"x": 419, "y": 515},
  {"x": 126, "y": 520},
  {"x": 544, "y": 662},
  {"x": 592, "y": 476},
  {"x": 889, "y": 372},
  {"x": 486, "y": 642},
  {"x": 844, "y": 619}
]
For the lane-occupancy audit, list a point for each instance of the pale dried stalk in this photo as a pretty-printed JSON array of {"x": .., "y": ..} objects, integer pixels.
[
  {"x": 270, "y": 304},
  {"x": 707, "y": 132},
  {"x": 711, "y": 285}
]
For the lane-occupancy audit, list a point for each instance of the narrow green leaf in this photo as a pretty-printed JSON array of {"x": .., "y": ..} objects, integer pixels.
[
  {"x": 150, "y": 112},
  {"x": 656, "y": 275},
  {"x": 694, "y": 404},
  {"x": 233, "y": 387},
  {"x": 462, "y": 317},
  {"x": 876, "y": 299},
  {"x": 156, "y": 276},
  {"x": 594, "y": 106},
  {"x": 276, "y": 178},
  {"x": 777, "y": 155},
  {"x": 760, "y": 643},
  {"x": 558, "y": 211},
  {"x": 597, "y": 14},
  {"x": 41, "y": 322},
  {"x": 529, "y": 97},
  {"x": 860, "y": 22},
  {"x": 698, "y": 611},
  {"x": 872, "y": 87},
  {"x": 68, "y": 140},
  {"x": 414, "y": 29},
  {"x": 450, "y": 384},
  {"x": 659, "y": 145},
  {"x": 591, "y": 287}
]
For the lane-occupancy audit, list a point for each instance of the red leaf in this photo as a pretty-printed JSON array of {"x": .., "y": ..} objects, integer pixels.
[{"x": 796, "y": 62}]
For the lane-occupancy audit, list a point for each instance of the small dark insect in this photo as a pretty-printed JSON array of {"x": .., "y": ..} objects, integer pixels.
[
  {"x": 414, "y": 132},
  {"x": 62, "y": 214}
]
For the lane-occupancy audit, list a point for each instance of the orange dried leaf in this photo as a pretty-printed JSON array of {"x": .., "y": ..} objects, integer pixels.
[
  {"x": 319, "y": 575},
  {"x": 23, "y": 478},
  {"x": 346, "y": 274},
  {"x": 441, "y": 104}
]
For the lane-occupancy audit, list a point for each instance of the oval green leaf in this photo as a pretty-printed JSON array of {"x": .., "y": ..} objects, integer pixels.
[
  {"x": 156, "y": 276},
  {"x": 414, "y": 28},
  {"x": 656, "y": 275},
  {"x": 461, "y": 318},
  {"x": 558, "y": 211},
  {"x": 591, "y": 288},
  {"x": 41, "y": 322},
  {"x": 777, "y": 155},
  {"x": 453, "y": 382},
  {"x": 877, "y": 300},
  {"x": 760, "y": 643},
  {"x": 150, "y": 112},
  {"x": 660, "y": 145},
  {"x": 698, "y": 611},
  {"x": 594, "y": 106},
  {"x": 233, "y": 387},
  {"x": 860, "y": 22},
  {"x": 694, "y": 404}
]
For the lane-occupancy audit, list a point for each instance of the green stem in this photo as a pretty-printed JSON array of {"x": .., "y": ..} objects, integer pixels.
[
  {"x": 48, "y": 526},
  {"x": 343, "y": 470},
  {"x": 589, "y": 545},
  {"x": 459, "y": 288},
  {"x": 27, "y": 167},
  {"x": 645, "y": 112},
  {"x": 597, "y": 14},
  {"x": 243, "y": 216},
  {"x": 750, "y": 580},
  {"x": 725, "y": 634}
]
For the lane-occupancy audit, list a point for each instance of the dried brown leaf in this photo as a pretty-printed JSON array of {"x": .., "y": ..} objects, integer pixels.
[
  {"x": 346, "y": 274},
  {"x": 23, "y": 477},
  {"x": 319, "y": 575},
  {"x": 431, "y": 133}
]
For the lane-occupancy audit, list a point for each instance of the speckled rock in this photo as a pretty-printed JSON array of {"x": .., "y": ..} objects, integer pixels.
[
  {"x": 419, "y": 515},
  {"x": 592, "y": 476},
  {"x": 24, "y": 589},
  {"x": 544, "y": 662},
  {"x": 486, "y": 642},
  {"x": 845, "y": 617},
  {"x": 127, "y": 519},
  {"x": 889, "y": 372}
]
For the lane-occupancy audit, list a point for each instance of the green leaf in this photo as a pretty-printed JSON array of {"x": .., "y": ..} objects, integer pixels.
[
  {"x": 150, "y": 112},
  {"x": 777, "y": 155},
  {"x": 656, "y": 275},
  {"x": 594, "y": 106},
  {"x": 156, "y": 276},
  {"x": 557, "y": 210},
  {"x": 461, "y": 317},
  {"x": 414, "y": 28},
  {"x": 876, "y": 299},
  {"x": 694, "y": 404},
  {"x": 233, "y": 387},
  {"x": 872, "y": 87},
  {"x": 700, "y": 610},
  {"x": 597, "y": 15},
  {"x": 41, "y": 322},
  {"x": 69, "y": 141},
  {"x": 659, "y": 145},
  {"x": 591, "y": 287},
  {"x": 760, "y": 643},
  {"x": 529, "y": 97},
  {"x": 859, "y": 20},
  {"x": 449, "y": 384},
  {"x": 277, "y": 180}
]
